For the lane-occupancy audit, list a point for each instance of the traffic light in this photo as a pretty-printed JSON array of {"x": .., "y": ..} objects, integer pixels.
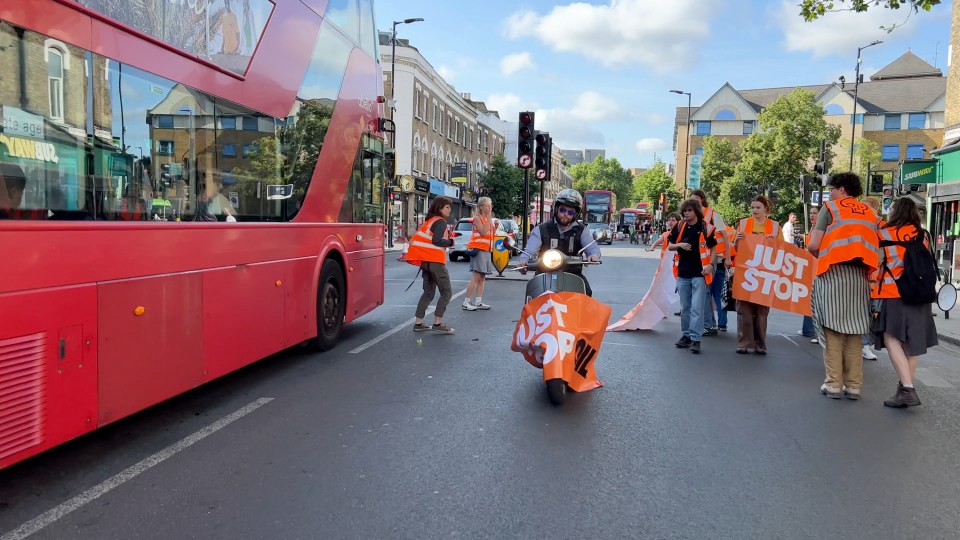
[
  {"x": 887, "y": 198},
  {"x": 876, "y": 183},
  {"x": 389, "y": 164},
  {"x": 772, "y": 194},
  {"x": 525, "y": 141},
  {"x": 542, "y": 161}
]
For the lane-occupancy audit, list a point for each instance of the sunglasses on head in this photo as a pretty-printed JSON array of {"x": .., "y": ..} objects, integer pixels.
[{"x": 567, "y": 211}]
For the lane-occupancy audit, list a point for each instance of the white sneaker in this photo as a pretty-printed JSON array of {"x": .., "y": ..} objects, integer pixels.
[
  {"x": 468, "y": 306},
  {"x": 868, "y": 354},
  {"x": 481, "y": 305}
]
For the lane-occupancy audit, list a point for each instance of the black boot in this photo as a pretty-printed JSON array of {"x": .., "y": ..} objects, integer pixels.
[{"x": 905, "y": 397}]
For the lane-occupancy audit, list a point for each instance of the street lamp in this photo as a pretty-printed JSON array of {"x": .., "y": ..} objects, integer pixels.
[
  {"x": 686, "y": 162},
  {"x": 388, "y": 204},
  {"x": 856, "y": 87}
]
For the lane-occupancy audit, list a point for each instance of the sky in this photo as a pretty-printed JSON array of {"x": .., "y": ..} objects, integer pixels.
[{"x": 598, "y": 73}]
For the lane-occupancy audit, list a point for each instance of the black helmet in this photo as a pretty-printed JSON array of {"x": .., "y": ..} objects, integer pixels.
[{"x": 571, "y": 198}]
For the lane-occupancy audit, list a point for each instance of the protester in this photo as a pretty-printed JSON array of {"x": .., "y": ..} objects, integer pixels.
[
  {"x": 664, "y": 239},
  {"x": 906, "y": 330},
  {"x": 751, "y": 317},
  {"x": 845, "y": 242},
  {"x": 806, "y": 328},
  {"x": 481, "y": 264},
  {"x": 694, "y": 243},
  {"x": 428, "y": 251},
  {"x": 867, "y": 339},
  {"x": 713, "y": 322}
]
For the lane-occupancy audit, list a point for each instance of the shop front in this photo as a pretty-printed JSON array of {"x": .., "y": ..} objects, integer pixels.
[
  {"x": 943, "y": 210},
  {"x": 416, "y": 200}
]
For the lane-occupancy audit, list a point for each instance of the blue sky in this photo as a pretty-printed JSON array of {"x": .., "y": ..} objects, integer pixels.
[{"x": 598, "y": 73}]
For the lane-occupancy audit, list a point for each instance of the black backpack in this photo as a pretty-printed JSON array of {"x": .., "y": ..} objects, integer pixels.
[{"x": 917, "y": 284}]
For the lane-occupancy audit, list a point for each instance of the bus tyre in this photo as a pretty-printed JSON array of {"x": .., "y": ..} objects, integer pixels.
[
  {"x": 556, "y": 391},
  {"x": 331, "y": 303}
]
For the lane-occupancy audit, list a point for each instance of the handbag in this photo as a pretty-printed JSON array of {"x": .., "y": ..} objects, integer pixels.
[{"x": 472, "y": 252}]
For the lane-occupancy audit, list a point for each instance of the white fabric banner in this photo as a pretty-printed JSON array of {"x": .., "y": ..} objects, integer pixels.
[{"x": 659, "y": 301}]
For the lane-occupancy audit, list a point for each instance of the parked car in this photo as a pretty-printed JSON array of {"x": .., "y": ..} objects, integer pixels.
[
  {"x": 461, "y": 237},
  {"x": 511, "y": 227},
  {"x": 601, "y": 232}
]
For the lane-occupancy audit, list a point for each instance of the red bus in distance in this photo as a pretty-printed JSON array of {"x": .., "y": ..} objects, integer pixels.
[
  {"x": 180, "y": 196},
  {"x": 599, "y": 206}
]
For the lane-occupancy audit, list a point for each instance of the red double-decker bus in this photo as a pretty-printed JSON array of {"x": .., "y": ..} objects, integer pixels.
[
  {"x": 186, "y": 187},
  {"x": 600, "y": 205}
]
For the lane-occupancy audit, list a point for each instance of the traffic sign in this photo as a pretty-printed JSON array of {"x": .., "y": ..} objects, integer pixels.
[
  {"x": 541, "y": 174},
  {"x": 525, "y": 161}
]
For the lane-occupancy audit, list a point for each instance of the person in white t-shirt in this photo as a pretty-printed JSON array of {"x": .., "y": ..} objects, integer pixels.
[{"x": 788, "y": 228}]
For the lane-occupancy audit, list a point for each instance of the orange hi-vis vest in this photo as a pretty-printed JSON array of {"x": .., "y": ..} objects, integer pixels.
[
  {"x": 887, "y": 286},
  {"x": 483, "y": 242},
  {"x": 852, "y": 235},
  {"x": 422, "y": 248},
  {"x": 721, "y": 236},
  {"x": 704, "y": 250},
  {"x": 746, "y": 227}
]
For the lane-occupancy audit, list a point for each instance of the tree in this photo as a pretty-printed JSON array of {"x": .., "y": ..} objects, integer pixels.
[
  {"x": 605, "y": 174},
  {"x": 814, "y": 9},
  {"x": 784, "y": 147},
  {"x": 865, "y": 151},
  {"x": 720, "y": 155},
  {"x": 503, "y": 183},
  {"x": 648, "y": 185}
]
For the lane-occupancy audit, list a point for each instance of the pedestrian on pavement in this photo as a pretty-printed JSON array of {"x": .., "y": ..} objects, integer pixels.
[
  {"x": 752, "y": 318},
  {"x": 428, "y": 250},
  {"x": 481, "y": 264},
  {"x": 806, "y": 328},
  {"x": 664, "y": 239},
  {"x": 906, "y": 330},
  {"x": 846, "y": 244},
  {"x": 788, "y": 228},
  {"x": 867, "y": 339},
  {"x": 694, "y": 245},
  {"x": 714, "y": 316}
]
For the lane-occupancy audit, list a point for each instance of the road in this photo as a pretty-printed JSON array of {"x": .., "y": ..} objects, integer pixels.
[{"x": 429, "y": 436}]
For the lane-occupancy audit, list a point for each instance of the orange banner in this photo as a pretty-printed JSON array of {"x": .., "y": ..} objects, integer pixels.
[
  {"x": 772, "y": 272},
  {"x": 561, "y": 333}
]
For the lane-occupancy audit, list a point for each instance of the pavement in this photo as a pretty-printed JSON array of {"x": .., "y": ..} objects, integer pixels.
[{"x": 948, "y": 325}]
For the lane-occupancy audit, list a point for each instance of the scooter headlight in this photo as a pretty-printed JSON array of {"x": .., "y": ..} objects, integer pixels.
[{"x": 552, "y": 259}]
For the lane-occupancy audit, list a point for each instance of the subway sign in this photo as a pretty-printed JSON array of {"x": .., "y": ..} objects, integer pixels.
[{"x": 918, "y": 172}]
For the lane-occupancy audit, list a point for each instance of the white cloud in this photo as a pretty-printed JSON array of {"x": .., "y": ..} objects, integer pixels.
[
  {"x": 651, "y": 145},
  {"x": 840, "y": 32},
  {"x": 508, "y": 106},
  {"x": 446, "y": 73},
  {"x": 593, "y": 107},
  {"x": 513, "y": 63},
  {"x": 657, "y": 118},
  {"x": 659, "y": 35}
]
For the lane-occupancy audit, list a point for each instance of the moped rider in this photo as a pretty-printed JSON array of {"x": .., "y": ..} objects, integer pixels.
[{"x": 564, "y": 233}]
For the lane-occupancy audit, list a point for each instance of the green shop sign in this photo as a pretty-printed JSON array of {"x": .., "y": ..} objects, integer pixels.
[{"x": 918, "y": 172}]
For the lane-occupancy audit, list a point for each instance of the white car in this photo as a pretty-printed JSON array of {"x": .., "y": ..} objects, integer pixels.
[{"x": 601, "y": 232}]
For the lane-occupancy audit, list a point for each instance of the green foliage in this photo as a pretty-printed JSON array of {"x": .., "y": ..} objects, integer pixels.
[
  {"x": 814, "y": 9},
  {"x": 865, "y": 151},
  {"x": 720, "y": 156},
  {"x": 604, "y": 174},
  {"x": 503, "y": 183},
  {"x": 785, "y": 145},
  {"x": 734, "y": 192},
  {"x": 648, "y": 185}
]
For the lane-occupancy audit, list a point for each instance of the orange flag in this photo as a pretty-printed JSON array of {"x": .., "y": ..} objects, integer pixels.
[
  {"x": 561, "y": 333},
  {"x": 772, "y": 272}
]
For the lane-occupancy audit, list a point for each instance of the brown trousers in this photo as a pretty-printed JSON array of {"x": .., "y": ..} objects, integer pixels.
[
  {"x": 843, "y": 360},
  {"x": 751, "y": 325}
]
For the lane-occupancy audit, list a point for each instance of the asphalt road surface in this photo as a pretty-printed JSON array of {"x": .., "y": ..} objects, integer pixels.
[{"x": 430, "y": 436}]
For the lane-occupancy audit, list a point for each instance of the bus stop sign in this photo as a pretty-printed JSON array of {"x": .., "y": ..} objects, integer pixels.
[{"x": 284, "y": 191}]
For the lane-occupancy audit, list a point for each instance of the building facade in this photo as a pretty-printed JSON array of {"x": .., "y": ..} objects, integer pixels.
[
  {"x": 438, "y": 131},
  {"x": 901, "y": 108}
]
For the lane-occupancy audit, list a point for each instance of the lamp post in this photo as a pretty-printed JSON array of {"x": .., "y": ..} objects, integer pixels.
[
  {"x": 686, "y": 161},
  {"x": 388, "y": 204},
  {"x": 856, "y": 87}
]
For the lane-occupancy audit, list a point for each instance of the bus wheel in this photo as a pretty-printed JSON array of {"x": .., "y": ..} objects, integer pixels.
[{"x": 331, "y": 304}]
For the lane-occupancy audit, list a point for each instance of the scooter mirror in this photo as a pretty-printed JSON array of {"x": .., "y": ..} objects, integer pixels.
[
  {"x": 947, "y": 297},
  {"x": 586, "y": 246}
]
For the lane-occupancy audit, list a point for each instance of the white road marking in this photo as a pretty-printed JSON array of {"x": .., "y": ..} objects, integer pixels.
[
  {"x": 930, "y": 378},
  {"x": 790, "y": 339},
  {"x": 395, "y": 329},
  {"x": 53, "y": 515}
]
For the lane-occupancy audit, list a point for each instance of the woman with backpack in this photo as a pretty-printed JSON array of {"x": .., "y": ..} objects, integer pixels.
[{"x": 903, "y": 317}]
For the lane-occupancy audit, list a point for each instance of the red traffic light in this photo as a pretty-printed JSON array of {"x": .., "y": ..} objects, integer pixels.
[
  {"x": 541, "y": 139},
  {"x": 526, "y": 118}
]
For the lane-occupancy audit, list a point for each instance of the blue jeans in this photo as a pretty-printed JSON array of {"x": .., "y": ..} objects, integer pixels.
[
  {"x": 693, "y": 291},
  {"x": 715, "y": 295},
  {"x": 807, "y": 329}
]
